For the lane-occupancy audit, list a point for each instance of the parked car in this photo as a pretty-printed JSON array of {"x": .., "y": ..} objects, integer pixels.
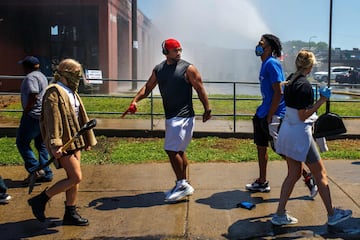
[
  {"x": 352, "y": 77},
  {"x": 334, "y": 71}
]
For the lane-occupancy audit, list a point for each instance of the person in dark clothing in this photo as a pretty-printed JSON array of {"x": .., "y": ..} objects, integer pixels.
[
  {"x": 4, "y": 197},
  {"x": 32, "y": 89},
  {"x": 176, "y": 79}
]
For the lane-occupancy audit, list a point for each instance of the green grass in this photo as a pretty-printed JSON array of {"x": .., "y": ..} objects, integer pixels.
[
  {"x": 146, "y": 150},
  {"x": 9, "y": 154}
]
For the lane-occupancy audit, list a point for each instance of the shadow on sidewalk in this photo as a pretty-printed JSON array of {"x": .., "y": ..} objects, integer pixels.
[
  {"x": 244, "y": 229},
  {"x": 230, "y": 199},
  {"x": 144, "y": 200},
  {"x": 29, "y": 228},
  {"x": 17, "y": 183}
]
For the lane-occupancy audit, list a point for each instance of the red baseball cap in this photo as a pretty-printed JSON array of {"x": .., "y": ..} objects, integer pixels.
[{"x": 171, "y": 43}]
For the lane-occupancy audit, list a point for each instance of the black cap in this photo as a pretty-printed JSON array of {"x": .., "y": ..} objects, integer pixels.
[{"x": 30, "y": 61}]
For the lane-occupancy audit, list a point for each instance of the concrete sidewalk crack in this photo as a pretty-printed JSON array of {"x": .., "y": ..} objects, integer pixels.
[{"x": 348, "y": 195}]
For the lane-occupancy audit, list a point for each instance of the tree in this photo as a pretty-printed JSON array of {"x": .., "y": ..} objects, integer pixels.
[
  {"x": 294, "y": 46},
  {"x": 322, "y": 46}
]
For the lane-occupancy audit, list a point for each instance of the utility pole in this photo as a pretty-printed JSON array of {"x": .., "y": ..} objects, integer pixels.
[
  {"x": 329, "y": 52},
  {"x": 135, "y": 43}
]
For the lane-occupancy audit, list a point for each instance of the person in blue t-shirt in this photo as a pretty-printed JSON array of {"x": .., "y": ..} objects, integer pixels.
[
  {"x": 32, "y": 89},
  {"x": 266, "y": 121}
]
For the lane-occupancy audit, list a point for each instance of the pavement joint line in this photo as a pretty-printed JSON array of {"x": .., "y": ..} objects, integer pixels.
[
  {"x": 186, "y": 222},
  {"x": 351, "y": 198}
]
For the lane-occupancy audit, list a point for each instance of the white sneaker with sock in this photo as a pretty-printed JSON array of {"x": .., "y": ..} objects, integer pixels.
[{"x": 181, "y": 190}]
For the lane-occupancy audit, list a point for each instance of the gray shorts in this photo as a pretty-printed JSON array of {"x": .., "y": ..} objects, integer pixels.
[{"x": 313, "y": 154}]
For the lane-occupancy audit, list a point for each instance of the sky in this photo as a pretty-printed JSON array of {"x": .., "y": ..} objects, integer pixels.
[{"x": 239, "y": 24}]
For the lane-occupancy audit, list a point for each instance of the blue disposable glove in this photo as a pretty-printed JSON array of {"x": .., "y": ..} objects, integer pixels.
[{"x": 325, "y": 91}]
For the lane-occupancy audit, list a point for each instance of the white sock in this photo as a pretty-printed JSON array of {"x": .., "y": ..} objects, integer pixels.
[{"x": 180, "y": 182}]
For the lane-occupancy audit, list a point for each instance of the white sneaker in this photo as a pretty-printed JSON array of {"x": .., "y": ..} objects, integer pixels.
[
  {"x": 283, "y": 220},
  {"x": 256, "y": 186},
  {"x": 310, "y": 183},
  {"x": 339, "y": 216},
  {"x": 4, "y": 198},
  {"x": 314, "y": 192},
  {"x": 179, "y": 192},
  {"x": 168, "y": 192}
]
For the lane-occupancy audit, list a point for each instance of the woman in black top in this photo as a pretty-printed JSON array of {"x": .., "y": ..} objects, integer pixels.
[{"x": 296, "y": 143}]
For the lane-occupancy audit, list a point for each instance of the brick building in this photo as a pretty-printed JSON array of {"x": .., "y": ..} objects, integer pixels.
[{"x": 97, "y": 33}]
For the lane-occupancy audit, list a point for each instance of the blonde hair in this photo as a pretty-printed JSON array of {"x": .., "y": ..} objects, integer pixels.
[{"x": 304, "y": 61}]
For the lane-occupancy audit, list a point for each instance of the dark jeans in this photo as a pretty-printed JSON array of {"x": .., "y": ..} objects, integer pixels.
[
  {"x": 28, "y": 130},
  {"x": 3, "y": 187}
]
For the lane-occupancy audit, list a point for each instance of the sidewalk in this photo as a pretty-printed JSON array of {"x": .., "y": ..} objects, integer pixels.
[{"x": 126, "y": 202}]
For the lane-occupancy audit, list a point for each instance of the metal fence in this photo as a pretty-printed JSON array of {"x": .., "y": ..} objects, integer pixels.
[{"x": 217, "y": 91}]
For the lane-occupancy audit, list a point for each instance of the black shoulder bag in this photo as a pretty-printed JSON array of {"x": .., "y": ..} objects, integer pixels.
[{"x": 328, "y": 124}]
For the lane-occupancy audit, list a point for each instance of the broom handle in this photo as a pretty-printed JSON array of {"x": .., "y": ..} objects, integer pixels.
[{"x": 68, "y": 143}]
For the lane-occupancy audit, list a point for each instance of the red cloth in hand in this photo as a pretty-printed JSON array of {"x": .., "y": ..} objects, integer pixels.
[{"x": 132, "y": 109}]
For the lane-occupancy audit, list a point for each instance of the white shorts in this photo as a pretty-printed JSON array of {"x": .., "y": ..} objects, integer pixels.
[{"x": 178, "y": 133}]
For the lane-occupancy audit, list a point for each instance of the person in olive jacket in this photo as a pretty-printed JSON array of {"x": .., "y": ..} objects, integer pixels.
[{"x": 62, "y": 116}]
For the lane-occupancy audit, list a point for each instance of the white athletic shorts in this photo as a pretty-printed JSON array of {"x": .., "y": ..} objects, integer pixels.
[{"x": 178, "y": 133}]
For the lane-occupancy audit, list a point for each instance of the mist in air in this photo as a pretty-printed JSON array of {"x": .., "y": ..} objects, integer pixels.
[
  {"x": 228, "y": 24},
  {"x": 219, "y": 39}
]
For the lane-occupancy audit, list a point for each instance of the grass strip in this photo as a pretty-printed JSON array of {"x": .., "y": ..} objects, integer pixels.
[{"x": 209, "y": 149}]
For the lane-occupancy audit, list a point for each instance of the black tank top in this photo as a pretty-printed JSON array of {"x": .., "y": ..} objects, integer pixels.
[{"x": 175, "y": 90}]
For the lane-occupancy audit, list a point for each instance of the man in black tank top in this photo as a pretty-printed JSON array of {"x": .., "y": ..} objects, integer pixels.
[{"x": 176, "y": 79}]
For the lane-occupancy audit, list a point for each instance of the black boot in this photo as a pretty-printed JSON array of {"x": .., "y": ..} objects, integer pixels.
[
  {"x": 37, "y": 204},
  {"x": 71, "y": 217}
]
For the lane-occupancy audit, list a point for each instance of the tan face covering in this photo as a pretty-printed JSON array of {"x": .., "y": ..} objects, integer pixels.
[{"x": 72, "y": 78}]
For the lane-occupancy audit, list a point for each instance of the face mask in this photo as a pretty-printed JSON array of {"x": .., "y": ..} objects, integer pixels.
[
  {"x": 74, "y": 84},
  {"x": 73, "y": 79},
  {"x": 259, "y": 50}
]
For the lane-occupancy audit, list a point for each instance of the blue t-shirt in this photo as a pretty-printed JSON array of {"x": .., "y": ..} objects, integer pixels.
[
  {"x": 34, "y": 82},
  {"x": 270, "y": 73}
]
